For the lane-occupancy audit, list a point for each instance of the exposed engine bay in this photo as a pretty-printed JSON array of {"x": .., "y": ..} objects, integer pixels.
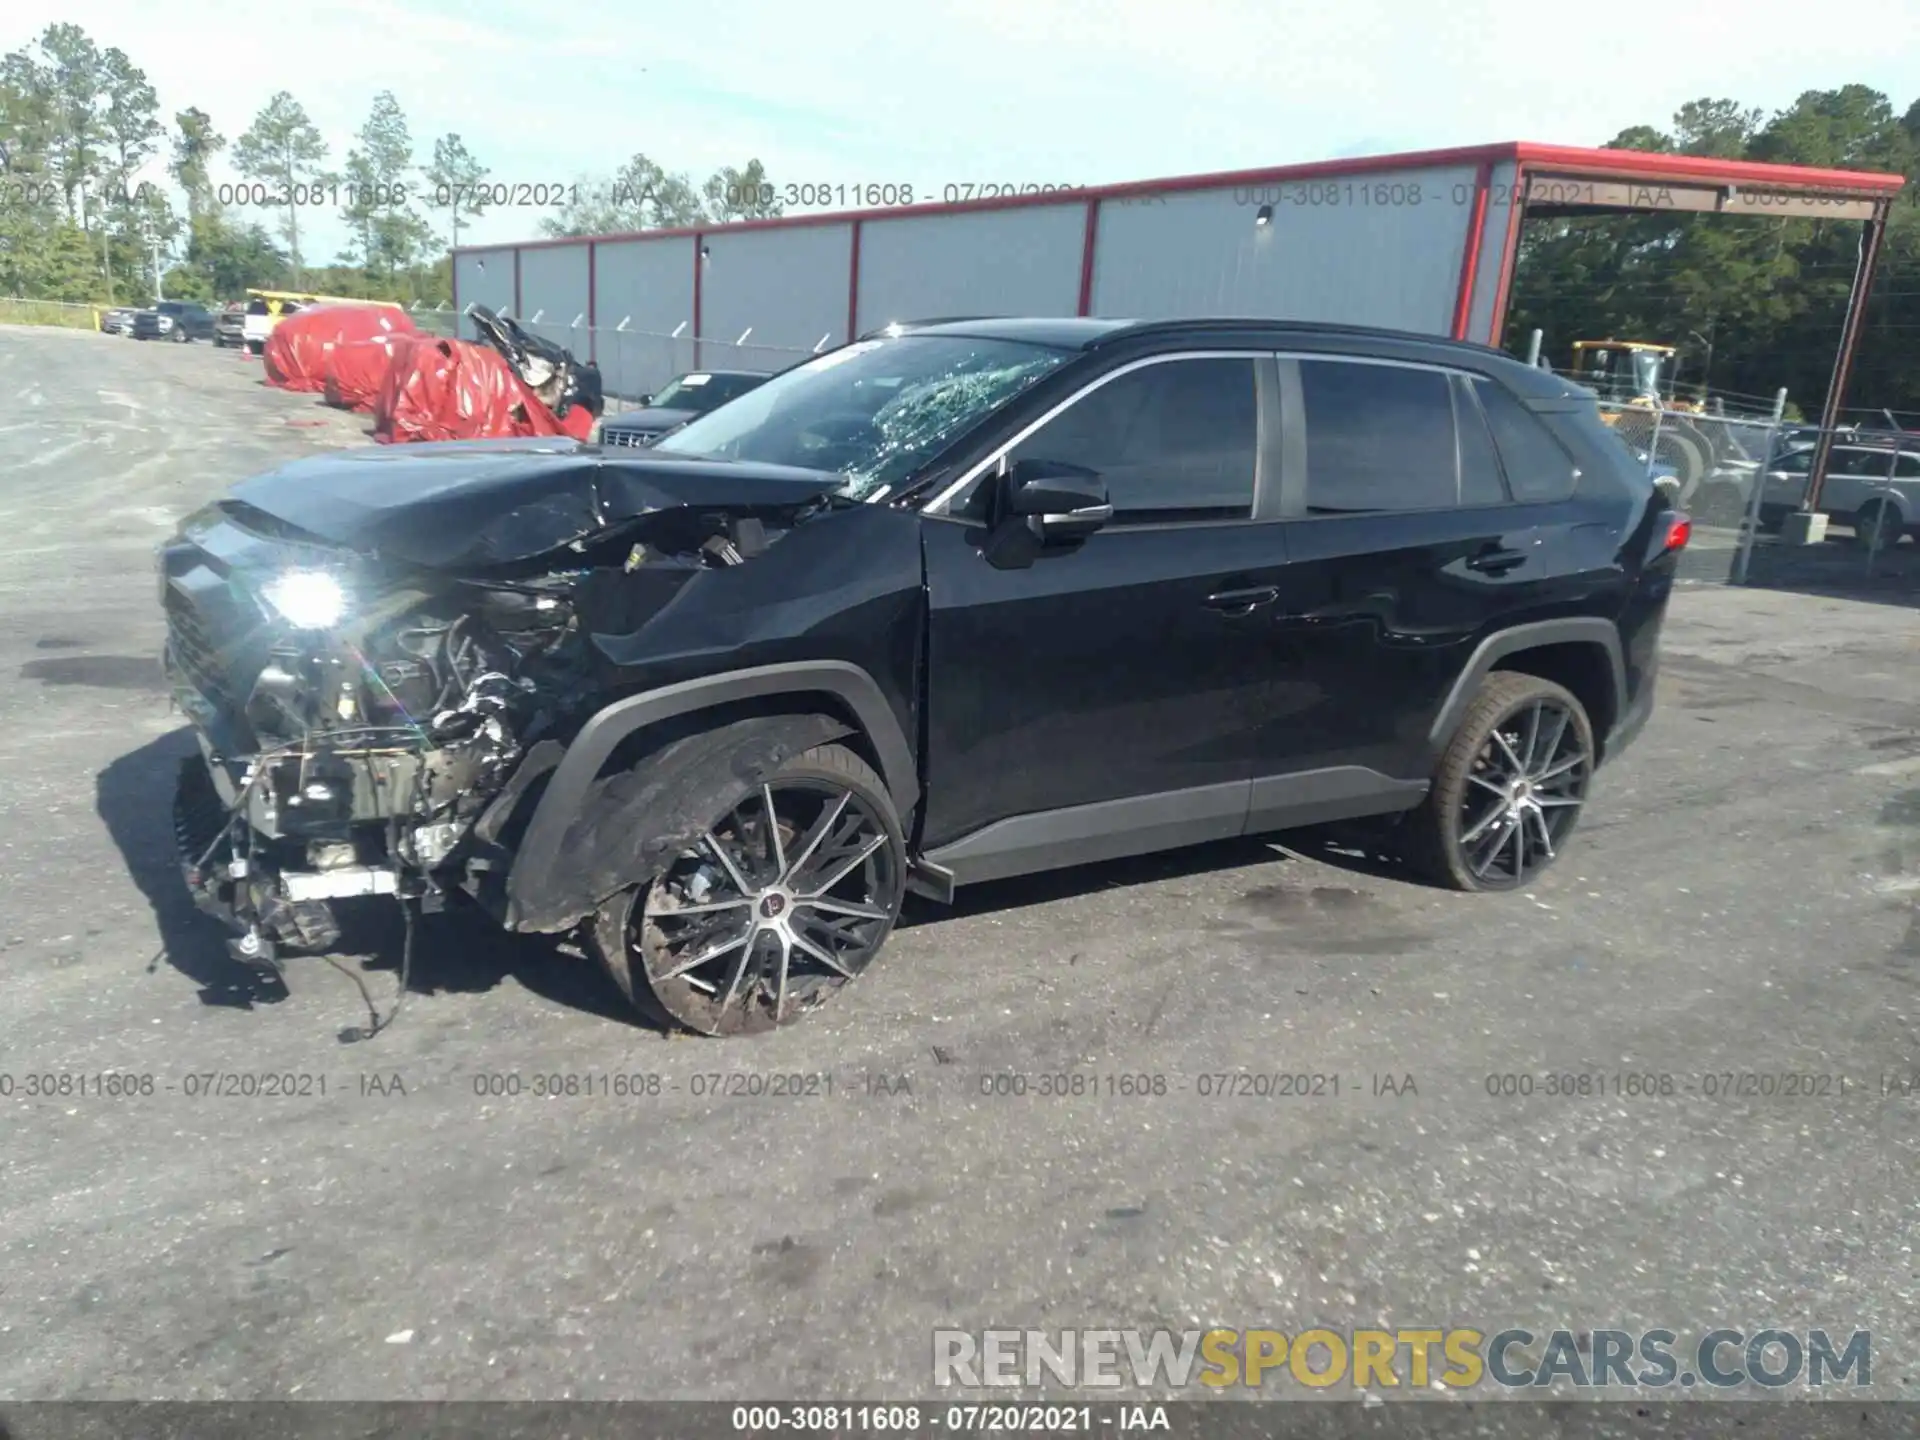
[{"x": 361, "y": 718}]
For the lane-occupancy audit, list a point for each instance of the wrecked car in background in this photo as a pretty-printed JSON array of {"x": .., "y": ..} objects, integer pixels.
[
  {"x": 716, "y": 704},
  {"x": 297, "y": 353},
  {"x": 506, "y": 385}
]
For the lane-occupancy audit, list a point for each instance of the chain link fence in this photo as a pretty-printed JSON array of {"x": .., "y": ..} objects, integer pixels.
[{"x": 1744, "y": 478}]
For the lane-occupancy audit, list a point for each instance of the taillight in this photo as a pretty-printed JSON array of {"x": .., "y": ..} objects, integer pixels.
[{"x": 1679, "y": 532}]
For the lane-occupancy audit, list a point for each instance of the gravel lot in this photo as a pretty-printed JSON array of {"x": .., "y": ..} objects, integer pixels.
[{"x": 1742, "y": 899}]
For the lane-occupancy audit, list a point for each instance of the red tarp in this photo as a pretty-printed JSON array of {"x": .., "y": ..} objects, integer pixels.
[
  {"x": 356, "y": 370},
  {"x": 459, "y": 390},
  {"x": 296, "y": 352}
]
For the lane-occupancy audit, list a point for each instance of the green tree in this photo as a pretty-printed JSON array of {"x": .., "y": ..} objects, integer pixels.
[
  {"x": 743, "y": 194},
  {"x": 193, "y": 150},
  {"x": 230, "y": 259},
  {"x": 640, "y": 196},
  {"x": 74, "y": 73},
  {"x": 283, "y": 150},
  {"x": 130, "y": 132},
  {"x": 388, "y": 232},
  {"x": 453, "y": 180}
]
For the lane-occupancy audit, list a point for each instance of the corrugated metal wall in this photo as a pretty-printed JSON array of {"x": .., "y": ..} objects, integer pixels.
[
  {"x": 987, "y": 262},
  {"x": 789, "y": 287},
  {"x": 1375, "y": 249},
  {"x": 649, "y": 285},
  {"x": 553, "y": 286},
  {"x": 482, "y": 277},
  {"x": 1370, "y": 247}
]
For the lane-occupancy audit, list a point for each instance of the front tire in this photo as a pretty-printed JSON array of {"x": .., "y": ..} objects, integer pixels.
[
  {"x": 1508, "y": 790},
  {"x": 785, "y": 899}
]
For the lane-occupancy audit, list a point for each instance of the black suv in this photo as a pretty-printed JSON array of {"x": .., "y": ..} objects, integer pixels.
[
  {"x": 177, "y": 320},
  {"x": 686, "y": 397},
  {"x": 937, "y": 608}
]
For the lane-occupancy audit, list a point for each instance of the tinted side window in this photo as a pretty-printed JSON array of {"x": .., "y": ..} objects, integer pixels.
[
  {"x": 1379, "y": 437},
  {"x": 1480, "y": 482},
  {"x": 1173, "y": 441},
  {"x": 1909, "y": 468},
  {"x": 1797, "y": 463},
  {"x": 1538, "y": 467}
]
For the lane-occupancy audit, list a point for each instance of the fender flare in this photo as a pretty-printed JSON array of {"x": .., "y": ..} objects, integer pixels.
[
  {"x": 573, "y": 778},
  {"x": 1572, "y": 630}
]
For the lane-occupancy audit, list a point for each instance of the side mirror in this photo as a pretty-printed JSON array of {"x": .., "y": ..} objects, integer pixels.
[
  {"x": 1057, "y": 500},
  {"x": 646, "y": 399}
]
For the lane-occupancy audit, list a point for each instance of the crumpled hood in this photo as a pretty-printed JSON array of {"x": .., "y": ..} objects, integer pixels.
[{"x": 468, "y": 504}]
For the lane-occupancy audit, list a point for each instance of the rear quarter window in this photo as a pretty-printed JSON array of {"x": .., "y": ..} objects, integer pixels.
[{"x": 1538, "y": 467}]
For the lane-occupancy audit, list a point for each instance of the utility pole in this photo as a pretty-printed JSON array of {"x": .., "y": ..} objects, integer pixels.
[{"x": 153, "y": 254}]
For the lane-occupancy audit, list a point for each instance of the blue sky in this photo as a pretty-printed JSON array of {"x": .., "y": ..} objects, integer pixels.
[{"x": 931, "y": 93}]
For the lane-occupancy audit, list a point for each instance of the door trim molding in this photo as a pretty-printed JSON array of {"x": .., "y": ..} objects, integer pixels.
[{"x": 1164, "y": 820}]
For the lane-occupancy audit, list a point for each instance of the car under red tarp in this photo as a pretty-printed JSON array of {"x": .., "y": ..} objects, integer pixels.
[
  {"x": 356, "y": 370},
  {"x": 297, "y": 351},
  {"x": 460, "y": 390}
]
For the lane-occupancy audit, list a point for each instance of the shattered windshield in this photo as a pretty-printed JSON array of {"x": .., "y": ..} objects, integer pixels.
[{"x": 873, "y": 411}]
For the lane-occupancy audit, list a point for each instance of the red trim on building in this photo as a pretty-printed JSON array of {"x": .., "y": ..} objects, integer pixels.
[
  {"x": 1086, "y": 256},
  {"x": 1637, "y": 164},
  {"x": 1509, "y": 252},
  {"x": 853, "y": 284},
  {"x": 699, "y": 265},
  {"x": 593, "y": 314},
  {"x": 516, "y": 282},
  {"x": 1625, "y": 164},
  {"x": 1470, "y": 255}
]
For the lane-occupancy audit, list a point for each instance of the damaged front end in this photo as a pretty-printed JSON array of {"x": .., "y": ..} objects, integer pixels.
[{"x": 364, "y": 714}]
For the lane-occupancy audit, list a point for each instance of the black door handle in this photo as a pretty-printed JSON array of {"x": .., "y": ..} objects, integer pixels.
[
  {"x": 1243, "y": 602},
  {"x": 1496, "y": 560}
]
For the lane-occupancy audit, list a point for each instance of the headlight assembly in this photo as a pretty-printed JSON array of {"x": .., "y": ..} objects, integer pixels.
[{"x": 307, "y": 599}]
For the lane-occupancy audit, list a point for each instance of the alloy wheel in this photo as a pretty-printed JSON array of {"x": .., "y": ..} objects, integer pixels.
[
  {"x": 782, "y": 901},
  {"x": 1523, "y": 794}
]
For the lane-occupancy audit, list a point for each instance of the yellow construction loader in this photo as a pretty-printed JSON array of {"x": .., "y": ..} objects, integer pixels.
[{"x": 1636, "y": 380}]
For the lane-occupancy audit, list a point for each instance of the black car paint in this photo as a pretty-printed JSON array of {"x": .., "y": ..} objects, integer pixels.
[
  {"x": 464, "y": 505},
  {"x": 190, "y": 319},
  {"x": 1095, "y": 701}
]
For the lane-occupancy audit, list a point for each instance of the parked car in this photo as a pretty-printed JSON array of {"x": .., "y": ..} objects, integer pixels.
[
  {"x": 119, "y": 321},
  {"x": 1875, "y": 489},
  {"x": 684, "y": 398},
  {"x": 177, "y": 320},
  {"x": 929, "y": 610},
  {"x": 229, "y": 326}
]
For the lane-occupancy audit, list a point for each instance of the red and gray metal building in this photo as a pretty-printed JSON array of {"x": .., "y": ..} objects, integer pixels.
[{"x": 1424, "y": 241}]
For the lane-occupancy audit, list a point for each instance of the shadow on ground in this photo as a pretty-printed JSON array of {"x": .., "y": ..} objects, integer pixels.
[
  {"x": 1838, "y": 568},
  {"x": 462, "y": 951},
  {"x": 457, "y": 951}
]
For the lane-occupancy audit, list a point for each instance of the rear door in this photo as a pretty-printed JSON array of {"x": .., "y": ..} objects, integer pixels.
[
  {"x": 1409, "y": 541},
  {"x": 1103, "y": 699}
]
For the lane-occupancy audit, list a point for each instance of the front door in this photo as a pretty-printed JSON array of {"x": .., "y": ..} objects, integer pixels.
[{"x": 1104, "y": 698}]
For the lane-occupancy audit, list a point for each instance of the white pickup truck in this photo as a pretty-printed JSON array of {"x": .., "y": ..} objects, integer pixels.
[{"x": 262, "y": 316}]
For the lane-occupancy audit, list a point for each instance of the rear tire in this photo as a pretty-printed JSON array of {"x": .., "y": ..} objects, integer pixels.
[
  {"x": 1876, "y": 526},
  {"x": 1509, "y": 788},
  {"x": 761, "y": 923}
]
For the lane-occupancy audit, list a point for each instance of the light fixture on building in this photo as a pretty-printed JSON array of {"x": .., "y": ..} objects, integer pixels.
[
  {"x": 1264, "y": 215},
  {"x": 706, "y": 253}
]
